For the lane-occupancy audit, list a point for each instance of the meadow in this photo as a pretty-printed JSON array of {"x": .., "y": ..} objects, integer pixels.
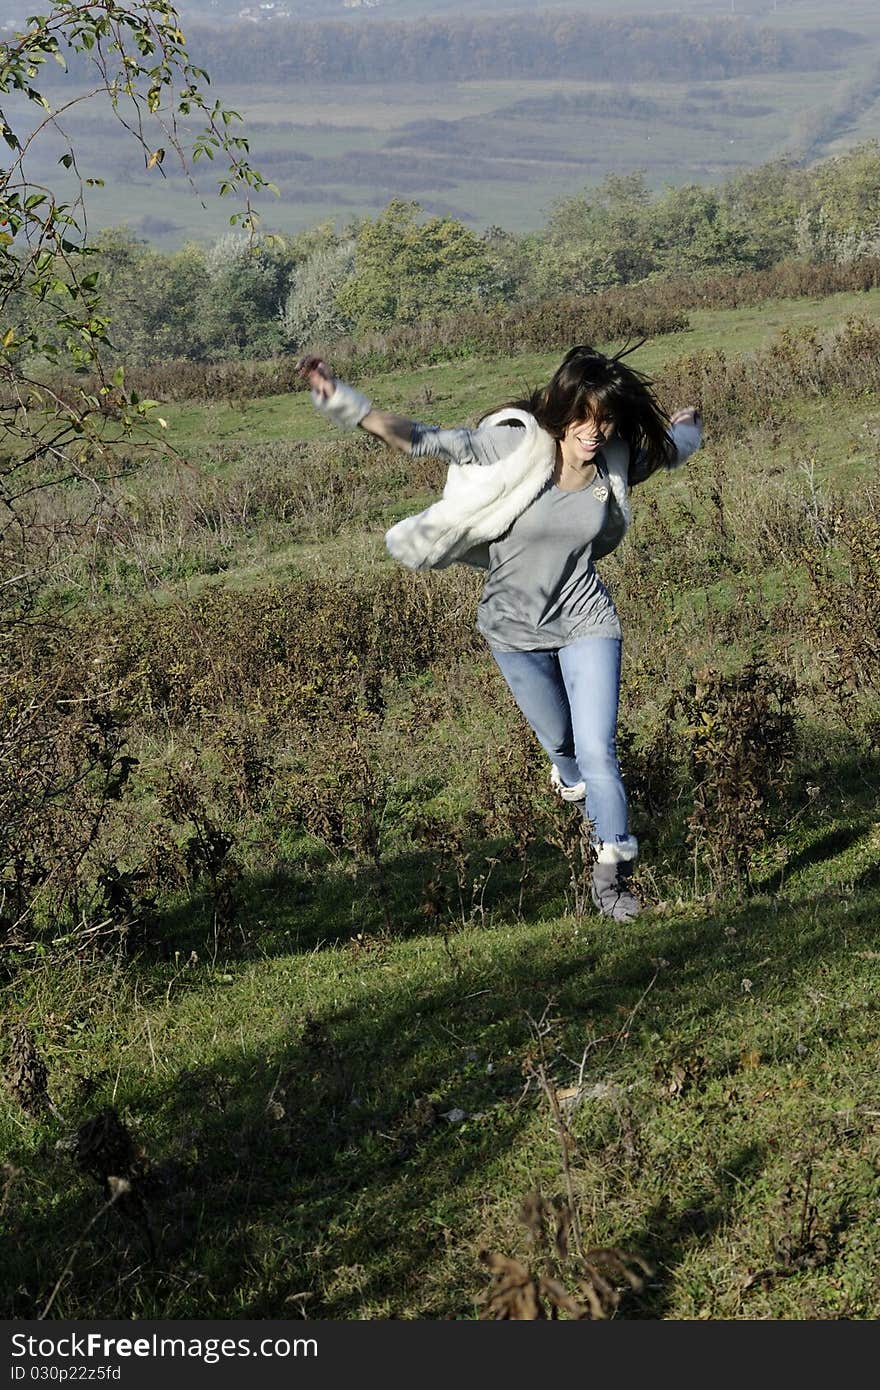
[
  {"x": 504, "y": 159},
  {"x": 329, "y": 1028},
  {"x": 493, "y": 151}
]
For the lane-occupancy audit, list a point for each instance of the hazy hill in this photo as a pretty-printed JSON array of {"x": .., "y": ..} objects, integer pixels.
[{"x": 490, "y": 119}]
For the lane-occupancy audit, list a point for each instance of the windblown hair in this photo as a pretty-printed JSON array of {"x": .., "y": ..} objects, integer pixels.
[{"x": 588, "y": 384}]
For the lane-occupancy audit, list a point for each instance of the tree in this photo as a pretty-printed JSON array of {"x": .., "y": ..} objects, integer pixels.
[
  {"x": 510, "y": 261},
  {"x": 597, "y": 239},
  {"x": 247, "y": 283},
  {"x": 693, "y": 232},
  {"x": 151, "y": 299},
  {"x": 52, "y": 305},
  {"x": 69, "y": 424},
  {"x": 311, "y": 318},
  {"x": 762, "y": 204},
  {"x": 406, "y": 270},
  {"x": 839, "y": 217}
]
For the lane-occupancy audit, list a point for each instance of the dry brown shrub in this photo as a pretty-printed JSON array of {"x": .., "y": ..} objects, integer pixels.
[
  {"x": 599, "y": 1277},
  {"x": 644, "y": 310},
  {"x": 740, "y": 733},
  {"x": 734, "y": 391},
  {"x": 843, "y": 621},
  {"x": 314, "y": 651},
  {"x": 64, "y": 764},
  {"x": 26, "y": 1074}
]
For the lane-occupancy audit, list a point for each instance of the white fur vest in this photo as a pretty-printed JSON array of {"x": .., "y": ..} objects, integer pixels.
[{"x": 480, "y": 503}]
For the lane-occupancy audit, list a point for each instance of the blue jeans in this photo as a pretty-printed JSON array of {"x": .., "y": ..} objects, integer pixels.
[{"x": 569, "y": 696}]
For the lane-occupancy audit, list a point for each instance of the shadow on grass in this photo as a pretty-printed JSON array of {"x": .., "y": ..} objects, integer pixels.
[
  {"x": 667, "y": 1233},
  {"x": 297, "y": 908},
  {"x": 318, "y": 901},
  {"x": 319, "y": 1171}
]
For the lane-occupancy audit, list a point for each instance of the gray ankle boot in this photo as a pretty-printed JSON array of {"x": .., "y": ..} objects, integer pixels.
[{"x": 610, "y": 890}]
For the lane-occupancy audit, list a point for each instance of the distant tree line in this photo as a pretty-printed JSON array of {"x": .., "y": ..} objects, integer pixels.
[
  {"x": 637, "y": 48},
  {"x": 236, "y": 301},
  {"x": 633, "y": 48}
]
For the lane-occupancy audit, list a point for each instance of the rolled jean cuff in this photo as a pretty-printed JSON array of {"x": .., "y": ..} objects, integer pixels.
[
  {"x": 575, "y": 793},
  {"x": 346, "y": 407},
  {"x": 622, "y": 850}
]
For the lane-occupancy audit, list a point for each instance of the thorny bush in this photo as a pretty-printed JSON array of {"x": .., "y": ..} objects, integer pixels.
[
  {"x": 842, "y": 622},
  {"x": 63, "y": 765},
  {"x": 740, "y": 729},
  {"x": 648, "y": 309}
]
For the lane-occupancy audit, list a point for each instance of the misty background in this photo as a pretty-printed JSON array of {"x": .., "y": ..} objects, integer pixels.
[{"x": 487, "y": 113}]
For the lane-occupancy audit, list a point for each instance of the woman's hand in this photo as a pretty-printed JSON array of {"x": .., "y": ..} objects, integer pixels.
[
  {"x": 315, "y": 372},
  {"x": 391, "y": 429},
  {"x": 689, "y": 416}
]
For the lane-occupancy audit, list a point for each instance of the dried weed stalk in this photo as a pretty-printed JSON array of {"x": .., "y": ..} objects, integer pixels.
[
  {"x": 570, "y": 832},
  {"x": 599, "y": 1277},
  {"x": 843, "y": 622},
  {"x": 509, "y": 794}
]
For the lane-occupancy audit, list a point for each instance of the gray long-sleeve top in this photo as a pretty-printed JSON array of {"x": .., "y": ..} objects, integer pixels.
[{"x": 542, "y": 589}]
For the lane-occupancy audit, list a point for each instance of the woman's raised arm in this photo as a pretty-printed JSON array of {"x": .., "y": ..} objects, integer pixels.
[
  {"x": 687, "y": 433},
  {"x": 348, "y": 407}
]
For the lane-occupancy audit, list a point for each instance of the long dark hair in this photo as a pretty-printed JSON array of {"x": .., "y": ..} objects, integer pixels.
[{"x": 589, "y": 384}]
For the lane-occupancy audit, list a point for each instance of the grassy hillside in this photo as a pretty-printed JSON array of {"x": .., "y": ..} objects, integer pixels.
[
  {"x": 333, "y": 1008},
  {"x": 462, "y": 391}
]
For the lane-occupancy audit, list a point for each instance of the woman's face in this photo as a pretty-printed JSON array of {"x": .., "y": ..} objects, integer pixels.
[{"x": 583, "y": 439}]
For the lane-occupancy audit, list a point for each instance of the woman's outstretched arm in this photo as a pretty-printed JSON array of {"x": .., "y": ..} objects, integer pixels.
[
  {"x": 687, "y": 430},
  {"x": 348, "y": 408},
  {"x": 686, "y": 433},
  {"x": 395, "y": 430}
]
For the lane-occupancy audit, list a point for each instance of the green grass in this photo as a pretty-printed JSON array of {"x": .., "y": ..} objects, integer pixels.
[
  {"x": 293, "y": 1105},
  {"x": 462, "y": 391},
  {"x": 291, "y": 1086}
]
